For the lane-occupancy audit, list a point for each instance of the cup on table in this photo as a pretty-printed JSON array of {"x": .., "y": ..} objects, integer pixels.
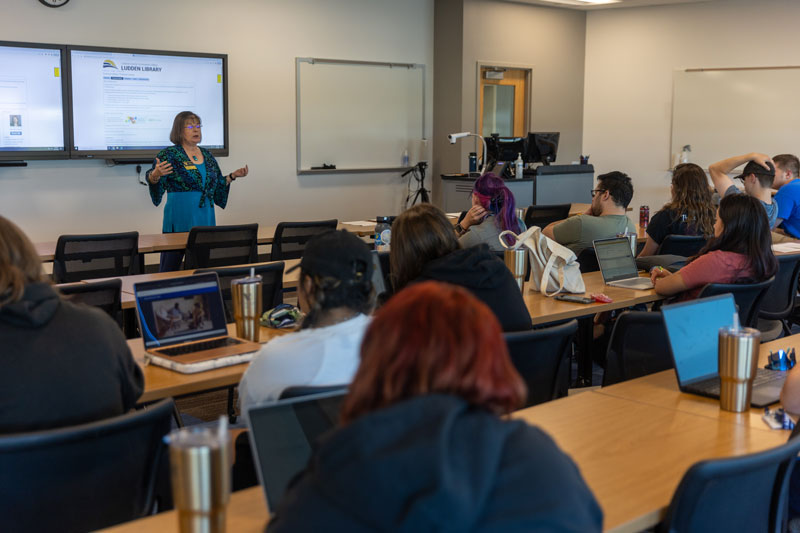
[
  {"x": 200, "y": 470},
  {"x": 738, "y": 362},
  {"x": 246, "y": 297},
  {"x": 517, "y": 263}
]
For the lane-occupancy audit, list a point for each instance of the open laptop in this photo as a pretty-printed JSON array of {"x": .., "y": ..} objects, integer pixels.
[
  {"x": 183, "y": 319},
  {"x": 692, "y": 329},
  {"x": 617, "y": 264},
  {"x": 282, "y": 435}
]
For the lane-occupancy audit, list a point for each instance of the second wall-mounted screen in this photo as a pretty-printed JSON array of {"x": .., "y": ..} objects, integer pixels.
[{"x": 124, "y": 101}]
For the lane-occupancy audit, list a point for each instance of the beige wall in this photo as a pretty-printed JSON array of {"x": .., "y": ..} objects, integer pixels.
[
  {"x": 630, "y": 58},
  {"x": 551, "y": 42},
  {"x": 261, "y": 38}
]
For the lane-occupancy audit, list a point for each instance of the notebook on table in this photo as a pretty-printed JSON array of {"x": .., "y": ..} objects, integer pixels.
[
  {"x": 183, "y": 327},
  {"x": 617, "y": 264},
  {"x": 282, "y": 435},
  {"x": 692, "y": 330}
]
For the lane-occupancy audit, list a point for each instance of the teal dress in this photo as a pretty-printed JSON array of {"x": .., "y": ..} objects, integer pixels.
[{"x": 192, "y": 190}]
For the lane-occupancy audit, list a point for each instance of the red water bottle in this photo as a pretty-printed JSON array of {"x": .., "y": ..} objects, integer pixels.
[{"x": 644, "y": 216}]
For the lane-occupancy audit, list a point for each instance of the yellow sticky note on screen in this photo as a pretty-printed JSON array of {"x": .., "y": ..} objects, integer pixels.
[
  {"x": 219, "y": 78},
  {"x": 56, "y": 71}
]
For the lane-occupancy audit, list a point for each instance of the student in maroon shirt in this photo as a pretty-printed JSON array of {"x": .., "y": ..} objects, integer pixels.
[{"x": 740, "y": 251}]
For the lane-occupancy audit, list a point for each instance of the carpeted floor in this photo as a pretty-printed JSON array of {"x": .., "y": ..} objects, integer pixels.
[{"x": 206, "y": 407}]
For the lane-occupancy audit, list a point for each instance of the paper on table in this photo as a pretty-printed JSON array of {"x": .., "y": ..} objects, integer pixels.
[
  {"x": 786, "y": 247},
  {"x": 453, "y": 215},
  {"x": 360, "y": 223}
]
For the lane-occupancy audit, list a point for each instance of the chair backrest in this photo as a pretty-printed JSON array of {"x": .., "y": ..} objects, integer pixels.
[
  {"x": 291, "y": 237},
  {"x": 541, "y": 356},
  {"x": 638, "y": 347},
  {"x": 105, "y": 294},
  {"x": 107, "y": 255},
  {"x": 588, "y": 260},
  {"x": 683, "y": 245},
  {"x": 85, "y": 477},
  {"x": 218, "y": 246},
  {"x": 542, "y": 215},
  {"x": 271, "y": 284},
  {"x": 778, "y": 302},
  {"x": 748, "y": 297},
  {"x": 745, "y": 493},
  {"x": 307, "y": 390}
]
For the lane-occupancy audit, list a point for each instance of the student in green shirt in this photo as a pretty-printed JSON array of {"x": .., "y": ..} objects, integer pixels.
[{"x": 605, "y": 217}]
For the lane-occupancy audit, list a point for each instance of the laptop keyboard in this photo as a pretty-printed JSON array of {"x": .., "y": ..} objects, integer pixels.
[
  {"x": 762, "y": 376},
  {"x": 200, "y": 346}
]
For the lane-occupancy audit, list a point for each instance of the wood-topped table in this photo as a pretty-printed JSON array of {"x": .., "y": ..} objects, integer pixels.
[
  {"x": 290, "y": 280},
  {"x": 631, "y": 450},
  {"x": 544, "y": 309},
  {"x": 162, "y": 383},
  {"x": 164, "y": 242}
]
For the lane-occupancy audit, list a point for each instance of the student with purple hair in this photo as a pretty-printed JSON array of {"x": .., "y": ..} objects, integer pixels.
[{"x": 492, "y": 212}]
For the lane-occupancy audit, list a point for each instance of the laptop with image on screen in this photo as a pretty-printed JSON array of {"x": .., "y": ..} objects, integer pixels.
[
  {"x": 692, "y": 330},
  {"x": 182, "y": 321},
  {"x": 282, "y": 435},
  {"x": 617, "y": 264}
]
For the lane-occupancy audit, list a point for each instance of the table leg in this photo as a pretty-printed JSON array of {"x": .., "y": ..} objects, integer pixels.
[{"x": 585, "y": 342}]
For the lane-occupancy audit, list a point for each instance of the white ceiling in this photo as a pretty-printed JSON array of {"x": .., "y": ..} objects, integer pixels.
[{"x": 577, "y": 4}]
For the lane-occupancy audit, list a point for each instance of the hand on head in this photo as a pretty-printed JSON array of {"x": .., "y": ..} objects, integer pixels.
[{"x": 475, "y": 215}]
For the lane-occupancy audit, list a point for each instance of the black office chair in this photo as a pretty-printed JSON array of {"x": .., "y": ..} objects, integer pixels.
[
  {"x": 291, "y": 237},
  {"x": 638, "y": 346},
  {"x": 219, "y": 246},
  {"x": 745, "y": 493},
  {"x": 307, "y": 390},
  {"x": 541, "y": 356},
  {"x": 778, "y": 303},
  {"x": 748, "y": 297},
  {"x": 271, "y": 284},
  {"x": 81, "y": 257},
  {"x": 85, "y": 477},
  {"x": 588, "y": 260},
  {"x": 105, "y": 294},
  {"x": 683, "y": 245},
  {"x": 542, "y": 215}
]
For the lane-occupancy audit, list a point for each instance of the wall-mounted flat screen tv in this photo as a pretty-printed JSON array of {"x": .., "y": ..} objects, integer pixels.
[
  {"x": 32, "y": 89},
  {"x": 123, "y": 101}
]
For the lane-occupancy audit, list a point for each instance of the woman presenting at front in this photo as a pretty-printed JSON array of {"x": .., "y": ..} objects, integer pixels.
[{"x": 192, "y": 178}]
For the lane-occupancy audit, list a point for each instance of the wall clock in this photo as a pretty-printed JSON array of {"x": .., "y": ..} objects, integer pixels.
[{"x": 54, "y": 3}]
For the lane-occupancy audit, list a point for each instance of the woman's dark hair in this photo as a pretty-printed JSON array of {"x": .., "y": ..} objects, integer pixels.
[
  {"x": 691, "y": 197},
  {"x": 745, "y": 231},
  {"x": 419, "y": 235},
  {"x": 496, "y": 198},
  {"x": 176, "y": 135},
  {"x": 434, "y": 338},
  {"x": 19, "y": 262}
]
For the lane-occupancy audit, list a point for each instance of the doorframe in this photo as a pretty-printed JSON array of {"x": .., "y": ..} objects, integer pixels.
[{"x": 529, "y": 89}]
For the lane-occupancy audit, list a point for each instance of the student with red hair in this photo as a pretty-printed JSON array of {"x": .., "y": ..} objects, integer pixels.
[{"x": 423, "y": 446}]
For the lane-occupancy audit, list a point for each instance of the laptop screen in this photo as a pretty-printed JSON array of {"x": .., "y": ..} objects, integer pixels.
[
  {"x": 282, "y": 435},
  {"x": 615, "y": 259},
  {"x": 693, "y": 329},
  {"x": 180, "y": 309}
]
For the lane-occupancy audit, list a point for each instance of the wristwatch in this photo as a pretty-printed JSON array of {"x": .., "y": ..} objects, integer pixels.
[{"x": 460, "y": 229}]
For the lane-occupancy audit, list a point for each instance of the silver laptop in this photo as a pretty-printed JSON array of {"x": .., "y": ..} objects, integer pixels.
[
  {"x": 617, "y": 264},
  {"x": 183, "y": 319},
  {"x": 692, "y": 330},
  {"x": 282, "y": 435}
]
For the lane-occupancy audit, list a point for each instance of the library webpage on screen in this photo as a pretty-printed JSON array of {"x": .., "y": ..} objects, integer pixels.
[
  {"x": 127, "y": 101},
  {"x": 31, "y": 111}
]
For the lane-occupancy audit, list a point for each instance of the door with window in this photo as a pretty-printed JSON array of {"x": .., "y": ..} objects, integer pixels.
[{"x": 503, "y": 101}]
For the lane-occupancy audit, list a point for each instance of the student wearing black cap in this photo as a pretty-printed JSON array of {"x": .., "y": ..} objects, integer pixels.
[
  {"x": 335, "y": 292},
  {"x": 758, "y": 175}
]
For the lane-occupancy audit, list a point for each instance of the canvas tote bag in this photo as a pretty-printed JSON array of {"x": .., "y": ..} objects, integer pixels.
[{"x": 554, "y": 267}]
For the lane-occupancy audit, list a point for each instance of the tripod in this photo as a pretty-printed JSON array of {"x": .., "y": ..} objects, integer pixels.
[{"x": 421, "y": 194}]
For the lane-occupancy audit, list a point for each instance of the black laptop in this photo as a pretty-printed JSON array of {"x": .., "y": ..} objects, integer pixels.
[{"x": 693, "y": 329}]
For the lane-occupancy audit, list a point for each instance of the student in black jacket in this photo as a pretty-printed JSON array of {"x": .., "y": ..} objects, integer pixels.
[
  {"x": 61, "y": 364},
  {"x": 425, "y": 247},
  {"x": 423, "y": 446}
]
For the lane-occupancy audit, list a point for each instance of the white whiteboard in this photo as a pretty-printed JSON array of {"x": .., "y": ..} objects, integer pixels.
[
  {"x": 358, "y": 115},
  {"x": 722, "y": 113}
]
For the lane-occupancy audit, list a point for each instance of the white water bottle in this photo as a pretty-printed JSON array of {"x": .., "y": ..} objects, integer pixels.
[{"x": 518, "y": 166}]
